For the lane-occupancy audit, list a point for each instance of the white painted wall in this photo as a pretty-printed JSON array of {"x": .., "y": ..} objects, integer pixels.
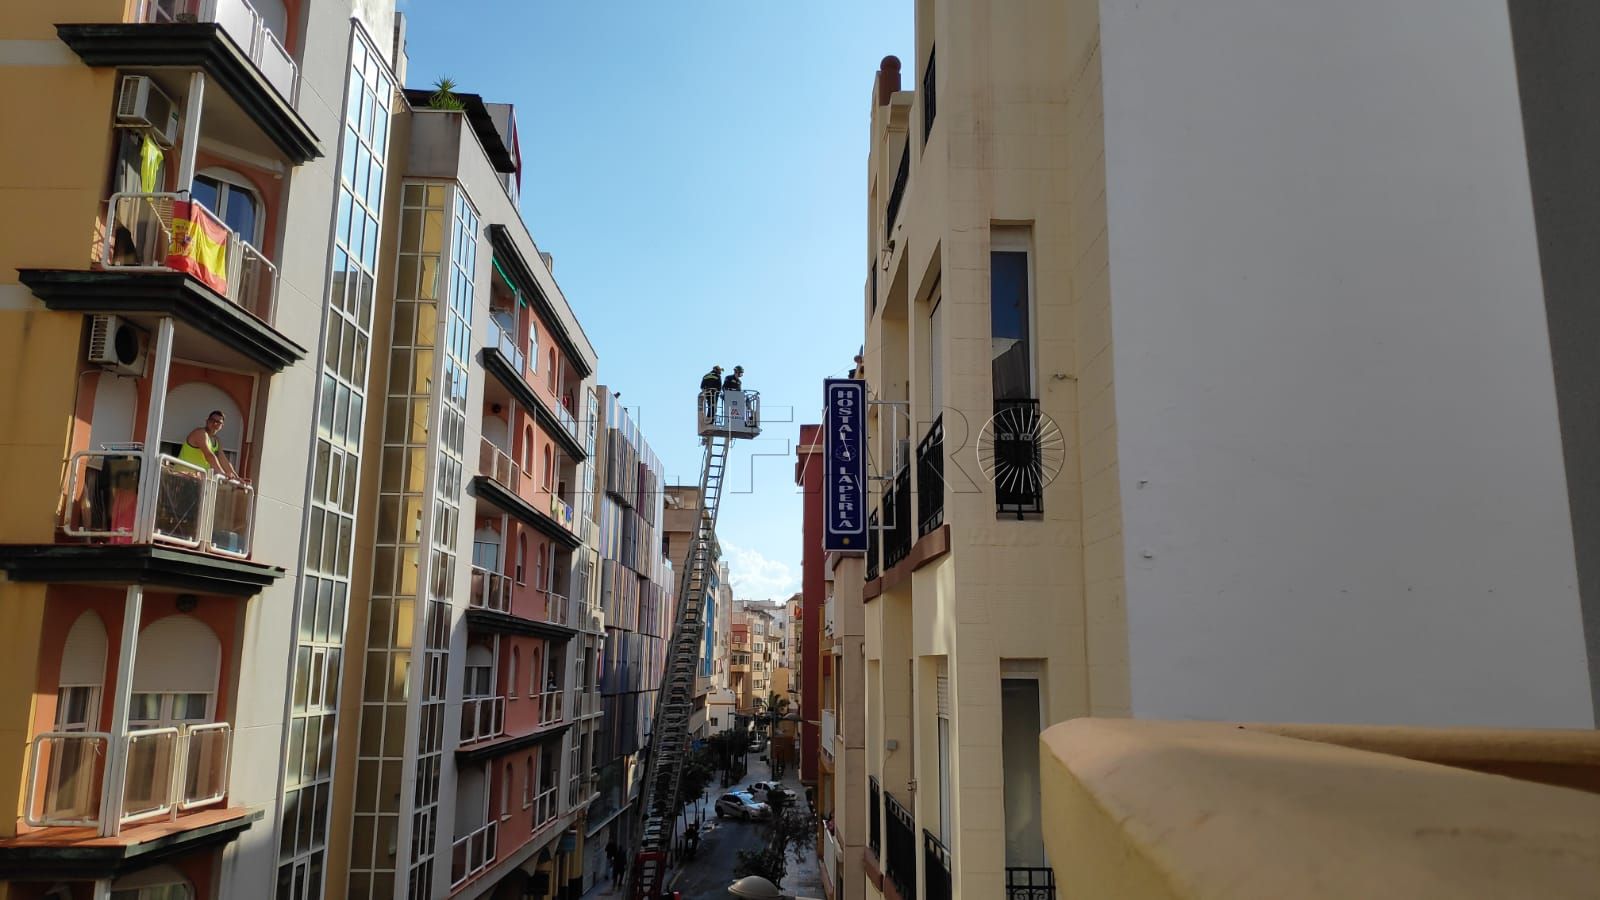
[{"x": 1338, "y": 435}]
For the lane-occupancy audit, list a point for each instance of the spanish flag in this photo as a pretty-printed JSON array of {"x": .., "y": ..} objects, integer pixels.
[{"x": 199, "y": 245}]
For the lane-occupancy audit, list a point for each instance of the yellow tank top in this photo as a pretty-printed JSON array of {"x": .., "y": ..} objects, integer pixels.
[{"x": 192, "y": 454}]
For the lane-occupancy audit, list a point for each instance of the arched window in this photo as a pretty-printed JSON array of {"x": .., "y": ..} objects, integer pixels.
[
  {"x": 511, "y": 672},
  {"x": 550, "y": 376},
  {"x": 527, "y": 450},
  {"x": 479, "y": 672},
  {"x": 188, "y": 405},
  {"x": 83, "y": 670},
  {"x": 538, "y": 569},
  {"x": 527, "y": 781},
  {"x": 533, "y": 345},
  {"x": 549, "y": 468},
  {"x": 234, "y": 200},
  {"x": 175, "y": 673},
  {"x": 522, "y": 556},
  {"x": 505, "y": 793}
]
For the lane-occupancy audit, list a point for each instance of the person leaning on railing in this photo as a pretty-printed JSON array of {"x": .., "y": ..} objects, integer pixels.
[{"x": 202, "y": 450}]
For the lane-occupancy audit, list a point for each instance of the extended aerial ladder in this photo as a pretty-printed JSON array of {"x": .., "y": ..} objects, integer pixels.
[{"x": 723, "y": 416}]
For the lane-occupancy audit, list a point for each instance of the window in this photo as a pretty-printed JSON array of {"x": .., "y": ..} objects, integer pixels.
[
  {"x": 930, "y": 106},
  {"x": 1019, "y": 749},
  {"x": 161, "y": 710},
  {"x": 527, "y": 781},
  {"x": 522, "y": 556},
  {"x": 935, "y": 357},
  {"x": 505, "y": 794},
  {"x": 232, "y": 198},
  {"x": 511, "y": 670},
  {"x": 538, "y": 570},
  {"x": 1009, "y": 312},
  {"x": 527, "y": 450},
  {"x": 549, "y": 468},
  {"x": 533, "y": 345},
  {"x": 550, "y": 376},
  {"x": 479, "y": 681},
  {"x": 76, "y": 707}
]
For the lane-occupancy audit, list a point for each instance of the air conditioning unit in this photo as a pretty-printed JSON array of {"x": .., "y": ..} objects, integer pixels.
[
  {"x": 117, "y": 346},
  {"x": 141, "y": 104}
]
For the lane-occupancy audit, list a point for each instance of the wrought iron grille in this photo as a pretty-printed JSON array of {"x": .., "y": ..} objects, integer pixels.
[{"x": 930, "y": 479}]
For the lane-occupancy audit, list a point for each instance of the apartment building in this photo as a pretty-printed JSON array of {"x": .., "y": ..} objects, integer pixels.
[
  {"x": 1227, "y": 459},
  {"x": 175, "y": 603},
  {"x": 636, "y": 590},
  {"x": 722, "y": 701},
  {"x": 684, "y": 513}
]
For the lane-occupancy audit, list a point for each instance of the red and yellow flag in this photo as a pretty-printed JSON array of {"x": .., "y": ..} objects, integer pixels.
[{"x": 199, "y": 245}]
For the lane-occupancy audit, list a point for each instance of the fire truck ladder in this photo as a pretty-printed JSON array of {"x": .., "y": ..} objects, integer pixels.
[{"x": 669, "y": 743}]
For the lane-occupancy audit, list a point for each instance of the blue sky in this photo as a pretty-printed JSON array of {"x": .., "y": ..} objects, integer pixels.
[{"x": 698, "y": 169}]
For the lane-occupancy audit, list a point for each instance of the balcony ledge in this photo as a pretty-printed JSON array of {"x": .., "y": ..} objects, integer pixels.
[
  {"x": 506, "y": 623},
  {"x": 523, "y": 511},
  {"x": 147, "y": 564},
  {"x": 500, "y": 746},
  {"x": 205, "y": 46},
  {"x": 928, "y": 548},
  {"x": 1144, "y": 809},
  {"x": 164, "y": 293},
  {"x": 80, "y": 853}
]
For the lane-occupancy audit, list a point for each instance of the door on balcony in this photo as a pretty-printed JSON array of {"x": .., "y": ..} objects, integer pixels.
[
  {"x": 174, "y": 686},
  {"x": 72, "y": 791}
]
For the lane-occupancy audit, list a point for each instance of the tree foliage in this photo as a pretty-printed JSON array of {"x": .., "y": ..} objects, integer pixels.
[
  {"x": 790, "y": 831},
  {"x": 444, "y": 95}
]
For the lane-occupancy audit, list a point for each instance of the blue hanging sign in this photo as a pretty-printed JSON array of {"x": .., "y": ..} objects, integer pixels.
[{"x": 844, "y": 478}]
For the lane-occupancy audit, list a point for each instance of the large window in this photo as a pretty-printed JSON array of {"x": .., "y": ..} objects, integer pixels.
[
  {"x": 1010, "y": 330},
  {"x": 232, "y": 199},
  {"x": 1019, "y": 750}
]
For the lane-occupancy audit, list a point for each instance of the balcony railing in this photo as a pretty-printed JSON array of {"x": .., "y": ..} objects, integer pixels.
[
  {"x": 473, "y": 854},
  {"x": 490, "y": 590},
  {"x": 898, "y": 192},
  {"x": 874, "y": 817},
  {"x": 872, "y": 545},
  {"x": 935, "y": 866},
  {"x": 550, "y": 705},
  {"x": 591, "y": 617},
  {"x": 498, "y": 466},
  {"x": 1030, "y": 883},
  {"x": 830, "y": 858},
  {"x": 545, "y": 809},
  {"x": 558, "y": 610},
  {"x": 482, "y": 718},
  {"x": 561, "y": 511},
  {"x": 901, "y": 850},
  {"x": 169, "y": 232},
  {"x": 930, "y": 479},
  {"x": 830, "y": 724},
  {"x": 897, "y": 503},
  {"x": 930, "y": 105},
  {"x": 500, "y": 338},
  {"x": 168, "y": 771},
  {"x": 564, "y": 416},
  {"x": 242, "y": 23},
  {"x": 194, "y": 507},
  {"x": 1018, "y": 460}
]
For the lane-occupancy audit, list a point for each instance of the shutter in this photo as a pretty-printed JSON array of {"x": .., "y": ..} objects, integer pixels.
[{"x": 943, "y": 691}]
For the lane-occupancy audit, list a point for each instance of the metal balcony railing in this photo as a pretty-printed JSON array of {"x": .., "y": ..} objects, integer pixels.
[
  {"x": 897, "y": 503},
  {"x": 472, "y": 854},
  {"x": 1018, "y": 458},
  {"x": 158, "y": 232},
  {"x": 930, "y": 104},
  {"x": 195, "y": 508},
  {"x": 242, "y": 23},
  {"x": 930, "y": 478},
  {"x": 545, "y": 809},
  {"x": 500, "y": 338},
  {"x": 564, "y": 416},
  {"x": 1030, "y": 883},
  {"x": 498, "y": 466},
  {"x": 490, "y": 590},
  {"x": 482, "y": 718},
  {"x": 872, "y": 545},
  {"x": 550, "y": 707},
  {"x": 898, "y": 192},
  {"x": 901, "y": 846},
  {"x": 561, "y": 511},
  {"x": 168, "y": 771},
  {"x": 874, "y": 817},
  {"x": 935, "y": 867},
  {"x": 558, "y": 609}
]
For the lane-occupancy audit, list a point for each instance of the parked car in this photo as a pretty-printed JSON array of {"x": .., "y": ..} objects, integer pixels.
[
  {"x": 741, "y": 805},
  {"x": 763, "y": 791}
]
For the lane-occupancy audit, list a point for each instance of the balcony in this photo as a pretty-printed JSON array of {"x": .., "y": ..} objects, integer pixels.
[
  {"x": 168, "y": 773},
  {"x": 240, "y": 22},
  {"x": 897, "y": 505},
  {"x": 1016, "y": 457},
  {"x": 930, "y": 478},
  {"x": 498, "y": 466},
  {"x": 490, "y": 590},
  {"x": 935, "y": 867},
  {"x": 561, "y": 511},
  {"x": 898, "y": 192},
  {"x": 482, "y": 719},
  {"x": 900, "y": 858},
  {"x": 831, "y": 859},
  {"x": 591, "y": 618},
  {"x": 193, "y": 507},
  {"x": 550, "y": 706},
  {"x": 545, "y": 808},
  {"x": 499, "y": 482},
  {"x": 1030, "y": 883},
  {"x": 872, "y": 546},
  {"x": 830, "y": 722},
  {"x": 557, "y": 610},
  {"x": 500, "y": 339},
  {"x": 1319, "y": 811},
  {"x": 472, "y": 855}
]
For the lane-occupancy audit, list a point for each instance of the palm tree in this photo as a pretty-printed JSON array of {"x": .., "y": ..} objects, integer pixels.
[{"x": 444, "y": 95}]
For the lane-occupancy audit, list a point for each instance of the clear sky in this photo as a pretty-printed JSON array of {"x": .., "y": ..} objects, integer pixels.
[{"x": 698, "y": 169}]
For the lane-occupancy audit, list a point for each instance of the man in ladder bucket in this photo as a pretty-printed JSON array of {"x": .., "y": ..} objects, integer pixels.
[
  {"x": 710, "y": 383},
  {"x": 733, "y": 396}
]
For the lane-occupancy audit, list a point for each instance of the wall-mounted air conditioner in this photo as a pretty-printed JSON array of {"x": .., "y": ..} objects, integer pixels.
[
  {"x": 142, "y": 104},
  {"x": 118, "y": 346}
]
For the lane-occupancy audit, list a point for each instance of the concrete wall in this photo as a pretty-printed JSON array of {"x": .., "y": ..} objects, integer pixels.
[{"x": 1340, "y": 462}]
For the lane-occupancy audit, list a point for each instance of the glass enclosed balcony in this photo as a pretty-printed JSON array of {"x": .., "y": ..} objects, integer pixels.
[
  {"x": 192, "y": 507},
  {"x": 490, "y": 590},
  {"x": 167, "y": 772}
]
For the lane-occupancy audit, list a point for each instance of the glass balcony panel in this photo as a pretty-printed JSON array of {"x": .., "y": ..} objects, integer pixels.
[
  {"x": 65, "y": 773},
  {"x": 482, "y": 718},
  {"x": 247, "y": 29},
  {"x": 471, "y": 854},
  {"x": 497, "y": 465},
  {"x": 181, "y": 499},
  {"x": 232, "y": 517},
  {"x": 147, "y": 789},
  {"x": 500, "y": 338},
  {"x": 156, "y": 232},
  {"x": 550, "y": 704},
  {"x": 490, "y": 590},
  {"x": 208, "y": 750}
]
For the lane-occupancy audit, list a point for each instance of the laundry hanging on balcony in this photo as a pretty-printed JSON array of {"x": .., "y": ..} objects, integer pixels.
[
  {"x": 151, "y": 160},
  {"x": 199, "y": 245}
]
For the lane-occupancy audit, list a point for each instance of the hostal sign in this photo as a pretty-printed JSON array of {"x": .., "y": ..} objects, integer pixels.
[{"x": 844, "y": 474}]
